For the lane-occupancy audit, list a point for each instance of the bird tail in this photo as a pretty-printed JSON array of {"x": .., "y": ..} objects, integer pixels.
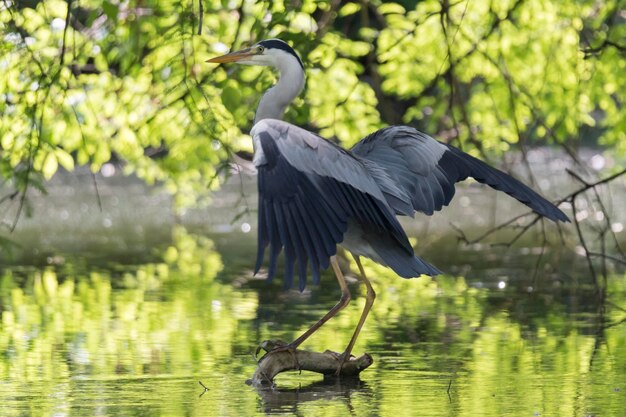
[{"x": 404, "y": 264}]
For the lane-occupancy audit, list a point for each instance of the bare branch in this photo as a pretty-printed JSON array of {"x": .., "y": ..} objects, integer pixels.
[
  {"x": 201, "y": 16},
  {"x": 589, "y": 185},
  {"x": 67, "y": 23},
  {"x": 326, "y": 363},
  {"x": 570, "y": 198},
  {"x": 610, "y": 257},
  {"x": 462, "y": 237},
  {"x": 581, "y": 238}
]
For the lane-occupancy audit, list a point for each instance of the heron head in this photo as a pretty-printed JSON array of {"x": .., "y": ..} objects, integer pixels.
[{"x": 270, "y": 53}]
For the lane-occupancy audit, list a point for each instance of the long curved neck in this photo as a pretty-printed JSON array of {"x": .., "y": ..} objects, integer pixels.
[{"x": 276, "y": 99}]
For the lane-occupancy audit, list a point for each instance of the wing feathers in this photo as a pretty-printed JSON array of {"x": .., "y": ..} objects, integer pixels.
[
  {"x": 426, "y": 170},
  {"x": 305, "y": 201},
  {"x": 470, "y": 166}
]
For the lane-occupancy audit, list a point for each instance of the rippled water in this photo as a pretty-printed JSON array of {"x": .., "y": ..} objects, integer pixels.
[{"x": 125, "y": 316}]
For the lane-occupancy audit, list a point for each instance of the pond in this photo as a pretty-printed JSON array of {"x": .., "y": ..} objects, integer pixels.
[{"x": 123, "y": 311}]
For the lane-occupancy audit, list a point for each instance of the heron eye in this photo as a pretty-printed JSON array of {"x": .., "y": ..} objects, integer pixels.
[{"x": 260, "y": 49}]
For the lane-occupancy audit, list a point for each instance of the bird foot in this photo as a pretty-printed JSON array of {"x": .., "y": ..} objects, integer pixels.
[
  {"x": 341, "y": 358},
  {"x": 274, "y": 346}
]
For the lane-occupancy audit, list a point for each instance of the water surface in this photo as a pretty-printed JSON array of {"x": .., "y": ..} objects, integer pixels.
[{"x": 122, "y": 312}]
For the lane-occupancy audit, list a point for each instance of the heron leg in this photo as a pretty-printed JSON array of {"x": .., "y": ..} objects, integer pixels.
[
  {"x": 343, "y": 301},
  {"x": 369, "y": 301}
]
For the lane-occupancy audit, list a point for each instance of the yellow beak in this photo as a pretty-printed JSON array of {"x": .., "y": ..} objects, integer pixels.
[{"x": 232, "y": 57}]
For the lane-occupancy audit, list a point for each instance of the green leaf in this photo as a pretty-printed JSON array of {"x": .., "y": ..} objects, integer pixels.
[
  {"x": 110, "y": 9},
  {"x": 50, "y": 166},
  {"x": 391, "y": 8},
  {"x": 348, "y": 9},
  {"x": 64, "y": 159}
]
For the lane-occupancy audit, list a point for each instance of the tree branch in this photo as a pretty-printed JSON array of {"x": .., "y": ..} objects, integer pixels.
[
  {"x": 569, "y": 198},
  {"x": 280, "y": 360},
  {"x": 200, "y": 16}
]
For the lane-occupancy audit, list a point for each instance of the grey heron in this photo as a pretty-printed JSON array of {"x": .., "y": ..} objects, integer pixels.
[{"x": 315, "y": 195}]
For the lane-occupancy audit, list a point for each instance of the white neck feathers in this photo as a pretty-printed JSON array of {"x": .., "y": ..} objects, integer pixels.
[{"x": 290, "y": 84}]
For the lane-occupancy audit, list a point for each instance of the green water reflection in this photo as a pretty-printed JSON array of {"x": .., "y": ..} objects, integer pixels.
[{"x": 136, "y": 339}]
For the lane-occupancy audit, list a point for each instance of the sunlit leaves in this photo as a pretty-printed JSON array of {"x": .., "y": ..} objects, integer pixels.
[
  {"x": 130, "y": 86},
  {"x": 517, "y": 70},
  {"x": 341, "y": 105},
  {"x": 348, "y": 9},
  {"x": 411, "y": 53},
  {"x": 129, "y": 82}
]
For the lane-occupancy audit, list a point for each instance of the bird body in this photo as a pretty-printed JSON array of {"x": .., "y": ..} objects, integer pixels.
[
  {"x": 314, "y": 195},
  {"x": 352, "y": 197}
]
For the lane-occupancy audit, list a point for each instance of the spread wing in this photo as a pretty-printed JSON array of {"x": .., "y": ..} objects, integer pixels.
[
  {"x": 426, "y": 170},
  {"x": 308, "y": 189}
]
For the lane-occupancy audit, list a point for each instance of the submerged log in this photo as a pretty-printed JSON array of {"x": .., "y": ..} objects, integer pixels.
[{"x": 279, "y": 359}]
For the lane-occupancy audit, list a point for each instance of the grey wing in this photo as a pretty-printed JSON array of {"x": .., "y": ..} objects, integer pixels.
[
  {"x": 308, "y": 190},
  {"x": 426, "y": 171}
]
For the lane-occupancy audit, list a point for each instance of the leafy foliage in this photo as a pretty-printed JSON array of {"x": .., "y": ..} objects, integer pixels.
[{"x": 91, "y": 82}]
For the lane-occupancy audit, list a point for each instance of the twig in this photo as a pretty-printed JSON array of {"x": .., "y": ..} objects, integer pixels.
[
  {"x": 572, "y": 199},
  {"x": 203, "y": 386},
  {"x": 462, "y": 237},
  {"x": 67, "y": 23},
  {"x": 610, "y": 257},
  {"x": 525, "y": 228},
  {"x": 607, "y": 224},
  {"x": 592, "y": 51},
  {"x": 543, "y": 250},
  {"x": 615, "y": 324},
  {"x": 581, "y": 238},
  {"x": 588, "y": 185},
  {"x": 10, "y": 196},
  {"x": 200, "y": 18},
  {"x": 95, "y": 186},
  {"x": 327, "y": 18}
]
